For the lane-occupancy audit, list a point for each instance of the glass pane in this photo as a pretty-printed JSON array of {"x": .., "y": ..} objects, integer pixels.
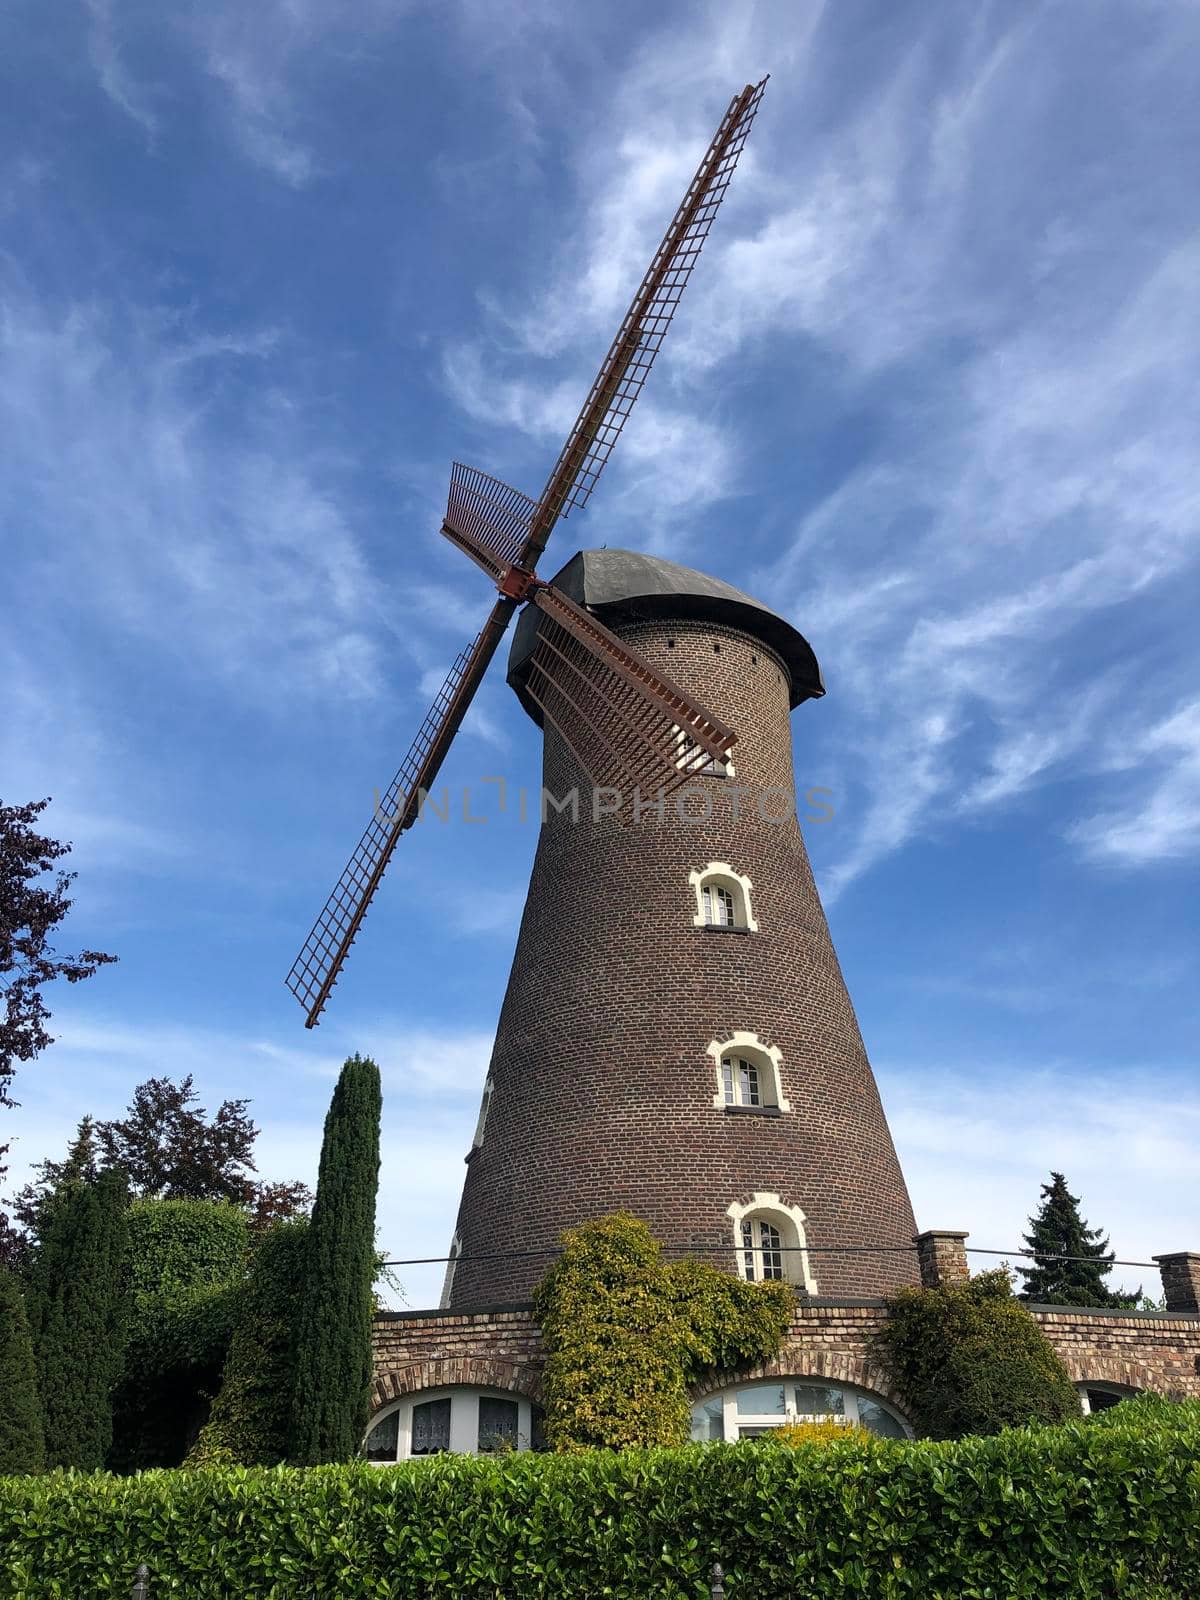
[
  {"x": 431, "y": 1428},
  {"x": 819, "y": 1400},
  {"x": 383, "y": 1439},
  {"x": 727, "y": 1081},
  {"x": 761, "y": 1400},
  {"x": 708, "y": 1419},
  {"x": 1102, "y": 1399},
  {"x": 497, "y": 1424},
  {"x": 725, "y": 901},
  {"x": 707, "y": 896},
  {"x": 748, "y": 1252},
  {"x": 749, "y": 1083},
  {"x": 873, "y": 1417},
  {"x": 772, "y": 1256}
]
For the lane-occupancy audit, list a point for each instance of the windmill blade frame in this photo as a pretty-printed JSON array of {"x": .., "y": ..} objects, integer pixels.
[
  {"x": 631, "y": 355},
  {"x": 487, "y": 519},
  {"x": 627, "y": 724},
  {"x": 315, "y": 970}
]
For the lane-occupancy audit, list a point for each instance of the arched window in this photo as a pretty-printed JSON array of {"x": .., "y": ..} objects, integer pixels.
[
  {"x": 722, "y": 898},
  {"x": 748, "y": 1075},
  {"x": 1099, "y": 1396},
  {"x": 460, "y": 1420},
  {"x": 749, "y": 1410},
  {"x": 769, "y": 1242}
]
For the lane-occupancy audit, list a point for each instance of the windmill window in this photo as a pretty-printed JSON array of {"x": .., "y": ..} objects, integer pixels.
[
  {"x": 748, "y": 1075},
  {"x": 770, "y": 1242},
  {"x": 498, "y": 1425},
  {"x": 722, "y": 898},
  {"x": 718, "y": 905},
  {"x": 740, "y": 1082},
  {"x": 762, "y": 1252}
]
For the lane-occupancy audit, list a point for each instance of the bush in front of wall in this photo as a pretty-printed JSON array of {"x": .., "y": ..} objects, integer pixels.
[
  {"x": 968, "y": 1358},
  {"x": 625, "y": 1333},
  {"x": 21, "y": 1445},
  {"x": 187, "y": 1262},
  {"x": 251, "y": 1414},
  {"x": 1079, "y": 1512}
]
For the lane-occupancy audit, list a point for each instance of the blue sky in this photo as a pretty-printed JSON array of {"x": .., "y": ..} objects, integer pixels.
[{"x": 265, "y": 270}]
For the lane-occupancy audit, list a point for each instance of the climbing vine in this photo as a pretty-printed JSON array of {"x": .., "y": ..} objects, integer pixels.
[{"x": 626, "y": 1333}]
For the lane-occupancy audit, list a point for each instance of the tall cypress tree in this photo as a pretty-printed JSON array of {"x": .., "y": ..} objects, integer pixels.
[
  {"x": 22, "y": 1448},
  {"x": 331, "y": 1397},
  {"x": 76, "y": 1318},
  {"x": 1057, "y": 1231}
]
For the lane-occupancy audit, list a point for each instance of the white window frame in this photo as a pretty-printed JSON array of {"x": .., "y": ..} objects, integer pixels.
[
  {"x": 768, "y": 1058},
  {"x": 735, "y": 1422},
  {"x": 686, "y": 749},
  {"x": 720, "y": 875},
  {"x": 789, "y": 1220},
  {"x": 464, "y": 1419}
]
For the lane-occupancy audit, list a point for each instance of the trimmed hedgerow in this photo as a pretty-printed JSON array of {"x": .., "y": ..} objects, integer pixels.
[{"x": 1079, "y": 1512}]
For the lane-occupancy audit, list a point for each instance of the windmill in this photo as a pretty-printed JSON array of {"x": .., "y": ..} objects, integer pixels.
[{"x": 625, "y": 721}]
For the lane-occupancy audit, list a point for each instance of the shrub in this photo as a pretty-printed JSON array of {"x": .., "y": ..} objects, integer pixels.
[
  {"x": 250, "y": 1416},
  {"x": 77, "y": 1318},
  {"x": 187, "y": 1262},
  {"x": 1068, "y": 1513},
  {"x": 795, "y": 1434},
  {"x": 969, "y": 1359},
  {"x": 22, "y": 1448},
  {"x": 332, "y": 1396},
  {"x": 625, "y": 1333}
]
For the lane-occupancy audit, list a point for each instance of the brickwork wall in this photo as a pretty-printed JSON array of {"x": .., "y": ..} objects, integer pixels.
[
  {"x": 502, "y": 1350},
  {"x": 603, "y": 1087}
]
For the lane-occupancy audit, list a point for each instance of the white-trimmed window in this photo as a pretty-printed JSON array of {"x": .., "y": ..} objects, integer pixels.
[
  {"x": 769, "y": 1242},
  {"x": 747, "y": 1074},
  {"x": 460, "y": 1420},
  {"x": 752, "y": 1409},
  {"x": 722, "y": 897},
  {"x": 1098, "y": 1396},
  {"x": 690, "y": 758}
]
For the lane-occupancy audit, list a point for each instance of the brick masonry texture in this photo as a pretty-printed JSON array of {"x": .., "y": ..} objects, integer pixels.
[
  {"x": 501, "y": 1349},
  {"x": 603, "y": 1090}
]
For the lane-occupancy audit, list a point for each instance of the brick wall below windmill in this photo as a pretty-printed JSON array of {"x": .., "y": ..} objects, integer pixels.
[{"x": 501, "y": 1349}]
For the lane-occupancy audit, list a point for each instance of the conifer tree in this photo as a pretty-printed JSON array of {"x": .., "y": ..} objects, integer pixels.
[
  {"x": 331, "y": 1397},
  {"x": 21, "y": 1443},
  {"x": 76, "y": 1318},
  {"x": 1059, "y": 1231}
]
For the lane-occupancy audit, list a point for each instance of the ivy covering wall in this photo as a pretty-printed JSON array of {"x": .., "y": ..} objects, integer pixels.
[{"x": 626, "y": 1333}]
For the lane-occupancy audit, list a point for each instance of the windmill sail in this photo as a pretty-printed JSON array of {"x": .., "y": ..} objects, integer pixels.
[
  {"x": 621, "y": 718},
  {"x": 487, "y": 519},
  {"x": 315, "y": 970},
  {"x": 640, "y": 336}
]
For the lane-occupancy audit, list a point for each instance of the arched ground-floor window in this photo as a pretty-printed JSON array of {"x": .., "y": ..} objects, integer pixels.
[
  {"x": 749, "y": 1410},
  {"x": 1098, "y": 1396},
  {"x": 460, "y": 1419}
]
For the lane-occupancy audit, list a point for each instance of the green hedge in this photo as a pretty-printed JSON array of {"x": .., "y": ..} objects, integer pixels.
[{"x": 1081, "y": 1512}]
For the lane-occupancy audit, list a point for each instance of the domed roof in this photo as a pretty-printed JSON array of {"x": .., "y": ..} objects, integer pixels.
[{"x": 623, "y": 585}]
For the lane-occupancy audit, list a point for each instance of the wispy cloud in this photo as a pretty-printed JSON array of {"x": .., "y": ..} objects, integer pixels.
[
  {"x": 126, "y": 487},
  {"x": 1164, "y": 824},
  {"x": 118, "y": 83}
]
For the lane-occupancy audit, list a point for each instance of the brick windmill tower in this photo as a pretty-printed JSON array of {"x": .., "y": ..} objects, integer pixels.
[{"x": 676, "y": 1038}]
